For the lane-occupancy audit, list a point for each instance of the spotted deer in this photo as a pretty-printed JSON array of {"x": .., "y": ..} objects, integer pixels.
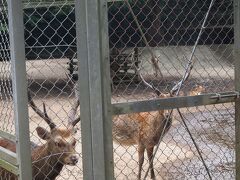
[{"x": 48, "y": 159}]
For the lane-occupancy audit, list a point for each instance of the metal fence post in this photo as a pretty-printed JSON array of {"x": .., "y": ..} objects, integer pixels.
[
  {"x": 94, "y": 87},
  {"x": 17, "y": 47},
  {"x": 237, "y": 82}
]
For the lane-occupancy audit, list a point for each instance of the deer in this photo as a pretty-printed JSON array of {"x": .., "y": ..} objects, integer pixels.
[
  {"x": 142, "y": 129},
  {"x": 196, "y": 90},
  {"x": 49, "y": 158}
]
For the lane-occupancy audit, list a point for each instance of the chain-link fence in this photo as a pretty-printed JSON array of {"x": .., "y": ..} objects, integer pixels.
[
  {"x": 152, "y": 44},
  {"x": 7, "y": 128},
  {"x": 6, "y": 89},
  {"x": 49, "y": 44},
  {"x": 168, "y": 32},
  {"x": 50, "y": 38}
]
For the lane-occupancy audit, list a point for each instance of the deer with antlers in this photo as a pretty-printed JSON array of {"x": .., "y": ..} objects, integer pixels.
[
  {"x": 59, "y": 150},
  {"x": 142, "y": 129}
]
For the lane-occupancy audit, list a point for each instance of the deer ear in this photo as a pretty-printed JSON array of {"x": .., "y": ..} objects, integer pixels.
[{"x": 43, "y": 133}]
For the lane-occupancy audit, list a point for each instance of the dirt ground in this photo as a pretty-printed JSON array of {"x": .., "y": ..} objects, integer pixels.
[{"x": 212, "y": 127}]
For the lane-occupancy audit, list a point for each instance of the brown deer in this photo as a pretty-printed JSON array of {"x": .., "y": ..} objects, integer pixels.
[
  {"x": 145, "y": 128},
  {"x": 142, "y": 129},
  {"x": 48, "y": 159},
  {"x": 197, "y": 90}
]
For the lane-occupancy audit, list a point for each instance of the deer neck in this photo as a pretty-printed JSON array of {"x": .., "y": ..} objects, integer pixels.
[
  {"x": 45, "y": 163},
  {"x": 160, "y": 115}
]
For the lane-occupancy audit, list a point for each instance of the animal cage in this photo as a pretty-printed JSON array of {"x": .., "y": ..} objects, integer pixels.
[{"x": 119, "y": 89}]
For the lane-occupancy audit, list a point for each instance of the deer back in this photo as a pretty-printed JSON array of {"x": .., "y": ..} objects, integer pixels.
[{"x": 129, "y": 129}]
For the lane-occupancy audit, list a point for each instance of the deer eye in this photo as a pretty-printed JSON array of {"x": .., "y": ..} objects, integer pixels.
[
  {"x": 60, "y": 144},
  {"x": 75, "y": 130},
  {"x": 74, "y": 143}
]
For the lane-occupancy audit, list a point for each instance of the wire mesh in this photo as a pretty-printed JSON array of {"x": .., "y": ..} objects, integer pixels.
[
  {"x": 7, "y": 127},
  {"x": 50, "y": 37},
  {"x": 140, "y": 32},
  {"x": 6, "y": 105},
  {"x": 50, "y": 42},
  {"x": 167, "y": 32}
]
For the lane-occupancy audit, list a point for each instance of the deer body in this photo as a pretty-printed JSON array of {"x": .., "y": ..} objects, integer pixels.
[
  {"x": 145, "y": 129},
  {"x": 142, "y": 129}
]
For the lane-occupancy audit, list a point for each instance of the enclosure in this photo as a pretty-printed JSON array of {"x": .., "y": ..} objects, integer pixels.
[{"x": 158, "y": 84}]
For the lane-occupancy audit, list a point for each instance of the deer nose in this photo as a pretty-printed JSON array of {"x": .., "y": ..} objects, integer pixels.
[{"x": 74, "y": 159}]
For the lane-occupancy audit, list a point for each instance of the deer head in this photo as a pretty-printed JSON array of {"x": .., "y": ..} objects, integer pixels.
[{"x": 59, "y": 141}]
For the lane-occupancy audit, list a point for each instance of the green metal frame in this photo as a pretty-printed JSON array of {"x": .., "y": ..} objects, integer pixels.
[
  {"x": 237, "y": 83},
  {"x": 27, "y": 4},
  {"x": 9, "y": 167},
  {"x": 7, "y": 135},
  {"x": 95, "y": 91},
  {"x": 8, "y": 161},
  {"x": 174, "y": 102},
  {"x": 18, "y": 163},
  {"x": 8, "y": 156}
]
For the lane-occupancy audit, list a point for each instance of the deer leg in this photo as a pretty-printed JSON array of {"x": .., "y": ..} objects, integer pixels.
[
  {"x": 141, "y": 150},
  {"x": 150, "y": 158}
]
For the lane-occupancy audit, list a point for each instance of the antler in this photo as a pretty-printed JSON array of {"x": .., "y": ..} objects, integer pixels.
[
  {"x": 73, "y": 113},
  {"x": 43, "y": 114},
  {"x": 156, "y": 90}
]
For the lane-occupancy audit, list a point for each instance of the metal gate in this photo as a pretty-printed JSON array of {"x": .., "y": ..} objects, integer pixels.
[
  {"x": 158, "y": 85},
  {"x": 185, "y": 48}
]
